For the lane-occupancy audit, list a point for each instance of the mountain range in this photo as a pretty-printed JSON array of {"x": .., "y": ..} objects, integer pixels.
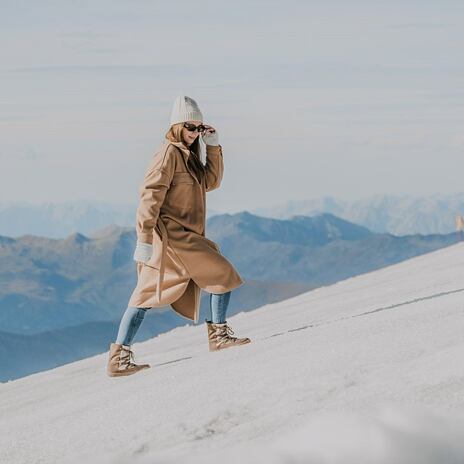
[
  {"x": 395, "y": 214},
  {"x": 67, "y": 295}
]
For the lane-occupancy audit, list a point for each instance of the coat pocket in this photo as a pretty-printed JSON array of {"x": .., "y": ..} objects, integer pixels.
[{"x": 182, "y": 178}]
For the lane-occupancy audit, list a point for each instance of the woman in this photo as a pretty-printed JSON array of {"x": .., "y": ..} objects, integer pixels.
[{"x": 174, "y": 258}]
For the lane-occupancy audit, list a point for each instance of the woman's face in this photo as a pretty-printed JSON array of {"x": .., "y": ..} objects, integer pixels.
[{"x": 189, "y": 137}]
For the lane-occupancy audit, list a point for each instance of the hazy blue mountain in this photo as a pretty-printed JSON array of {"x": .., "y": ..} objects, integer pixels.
[
  {"x": 334, "y": 249},
  {"x": 300, "y": 230},
  {"x": 58, "y": 220},
  {"x": 50, "y": 284},
  {"x": 62, "y": 299},
  {"x": 399, "y": 215},
  {"x": 396, "y": 214}
]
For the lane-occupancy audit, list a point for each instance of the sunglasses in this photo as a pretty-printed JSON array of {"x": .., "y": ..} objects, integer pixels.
[{"x": 192, "y": 128}]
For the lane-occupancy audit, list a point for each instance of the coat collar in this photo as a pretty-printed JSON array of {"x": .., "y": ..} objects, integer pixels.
[
  {"x": 185, "y": 153},
  {"x": 183, "y": 148}
]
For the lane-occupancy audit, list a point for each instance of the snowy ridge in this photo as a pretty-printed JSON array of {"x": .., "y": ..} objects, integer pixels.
[{"x": 368, "y": 370}]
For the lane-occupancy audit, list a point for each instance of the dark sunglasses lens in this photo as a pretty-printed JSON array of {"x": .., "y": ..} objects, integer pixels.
[{"x": 192, "y": 127}]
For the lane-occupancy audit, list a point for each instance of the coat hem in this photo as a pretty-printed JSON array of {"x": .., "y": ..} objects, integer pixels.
[{"x": 218, "y": 289}]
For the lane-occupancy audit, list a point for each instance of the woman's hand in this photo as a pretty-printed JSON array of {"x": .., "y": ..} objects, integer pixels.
[
  {"x": 143, "y": 251},
  {"x": 210, "y": 136}
]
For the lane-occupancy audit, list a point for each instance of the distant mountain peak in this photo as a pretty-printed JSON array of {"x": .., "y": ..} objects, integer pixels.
[
  {"x": 6, "y": 240},
  {"x": 112, "y": 229},
  {"x": 77, "y": 237},
  {"x": 300, "y": 229}
]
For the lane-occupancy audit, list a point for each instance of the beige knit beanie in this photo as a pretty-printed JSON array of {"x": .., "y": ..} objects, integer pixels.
[{"x": 185, "y": 109}]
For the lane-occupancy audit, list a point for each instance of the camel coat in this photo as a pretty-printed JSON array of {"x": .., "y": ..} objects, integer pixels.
[{"x": 171, "y": 216}]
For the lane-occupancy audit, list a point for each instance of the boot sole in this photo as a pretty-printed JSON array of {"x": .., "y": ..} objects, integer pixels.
[
  {"x": 229, "y": 346},
  {"x": 124, "y": 374}
]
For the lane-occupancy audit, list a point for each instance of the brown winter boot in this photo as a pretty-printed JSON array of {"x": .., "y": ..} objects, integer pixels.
[
  {"x": 220, "y": 337},
  {"x": 119, "y": 362}
]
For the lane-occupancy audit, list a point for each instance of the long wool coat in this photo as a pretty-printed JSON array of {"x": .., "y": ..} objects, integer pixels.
[{"x": 171, "y": 216}]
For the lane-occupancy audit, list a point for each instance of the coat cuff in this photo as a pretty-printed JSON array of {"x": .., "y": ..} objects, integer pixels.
[
  {"x": 145, "y": 237},
  {"x": 214, "y": 149}
]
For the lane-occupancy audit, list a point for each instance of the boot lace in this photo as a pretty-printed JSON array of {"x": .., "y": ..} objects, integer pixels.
[
  {"x": 127, "y": 355},
  {"x": 224, "y": 334}
]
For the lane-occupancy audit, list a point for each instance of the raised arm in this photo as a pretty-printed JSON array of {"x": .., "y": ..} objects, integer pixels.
[{"x": 214, "y": 167}]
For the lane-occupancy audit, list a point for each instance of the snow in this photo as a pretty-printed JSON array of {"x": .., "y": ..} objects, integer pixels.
[{"x": 367, "y": 370}]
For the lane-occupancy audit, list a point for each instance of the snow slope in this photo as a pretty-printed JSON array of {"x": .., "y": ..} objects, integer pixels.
[{"x": 368, "y": 370}]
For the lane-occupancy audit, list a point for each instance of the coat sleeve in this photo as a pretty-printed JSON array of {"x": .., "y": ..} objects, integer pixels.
[
  {"x": 152, "y": 192},
  {"x": 214, "y": 167}
]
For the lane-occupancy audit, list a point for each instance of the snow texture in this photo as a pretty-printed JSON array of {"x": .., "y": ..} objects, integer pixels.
[{"x": 368, "y": 370}]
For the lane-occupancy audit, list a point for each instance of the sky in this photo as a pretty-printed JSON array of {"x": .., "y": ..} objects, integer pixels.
[{"x": 309, "y": 98}]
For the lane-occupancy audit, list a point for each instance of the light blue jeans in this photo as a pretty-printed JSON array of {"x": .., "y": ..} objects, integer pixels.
[
  {"x": 133, "y": 317},
  {"x": 218, "y": 303}
]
